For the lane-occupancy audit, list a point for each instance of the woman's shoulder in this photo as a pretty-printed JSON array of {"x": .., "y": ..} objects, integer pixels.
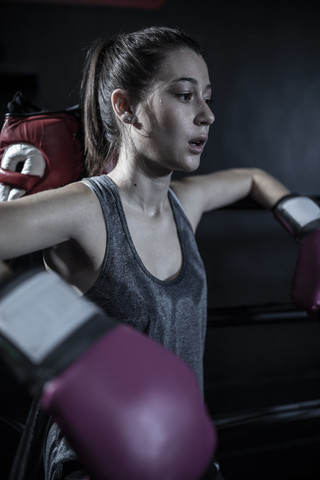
[
  {"x": 201, "y": 193},
  {"x": 188, "y": 192}
]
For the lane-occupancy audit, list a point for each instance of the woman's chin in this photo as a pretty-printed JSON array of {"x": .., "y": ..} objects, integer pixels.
[{"x": 191, "y": 165}]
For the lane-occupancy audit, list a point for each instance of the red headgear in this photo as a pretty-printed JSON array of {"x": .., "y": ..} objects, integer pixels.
[{"x": 39, "y": 151}]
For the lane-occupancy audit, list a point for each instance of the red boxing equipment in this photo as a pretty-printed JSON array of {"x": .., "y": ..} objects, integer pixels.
[{"x": 39, "y": 151}]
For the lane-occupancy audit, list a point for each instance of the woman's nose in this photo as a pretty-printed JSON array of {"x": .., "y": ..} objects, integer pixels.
[{"x": 205, "y": 115}]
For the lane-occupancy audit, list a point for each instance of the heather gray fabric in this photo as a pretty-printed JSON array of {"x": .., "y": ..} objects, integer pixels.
[
  {"x": 59, "y": 458},
  {"x": 172, "y": 312}
]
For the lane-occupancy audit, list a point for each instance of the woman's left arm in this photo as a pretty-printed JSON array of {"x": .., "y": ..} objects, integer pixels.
[{"x": 202, "y": 193}]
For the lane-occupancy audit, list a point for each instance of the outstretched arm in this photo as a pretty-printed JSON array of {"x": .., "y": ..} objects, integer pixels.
[
  {"x": 202, "y": 193},
  {"x": 36, "y": 222},
  {"x": 265, "y": 189},
  {"x": 45, "y": 219}
]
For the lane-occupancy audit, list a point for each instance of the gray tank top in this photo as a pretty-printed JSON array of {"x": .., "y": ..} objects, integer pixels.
[{"x": 172, "y": 312}]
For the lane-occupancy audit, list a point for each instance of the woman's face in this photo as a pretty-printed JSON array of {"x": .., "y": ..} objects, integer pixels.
[{"x": 175, "y": 117}]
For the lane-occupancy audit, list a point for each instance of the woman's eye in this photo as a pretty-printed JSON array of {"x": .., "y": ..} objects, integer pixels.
[
  {"x": 208, "y": 101},
  {"x": 185, "y": 96}
]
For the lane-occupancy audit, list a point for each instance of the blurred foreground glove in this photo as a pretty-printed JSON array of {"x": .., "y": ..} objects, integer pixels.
[
  {"x": 300, "y": 216},
  {"x": 39, "y": 151},
  {"x": 130, "y": 408}
]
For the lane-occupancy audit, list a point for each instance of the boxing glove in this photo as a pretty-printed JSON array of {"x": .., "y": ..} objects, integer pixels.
[
  {"x": 300, "y": 216},
  {"x": 129, "y": 407},
  {"x": 39, "y": 151}
]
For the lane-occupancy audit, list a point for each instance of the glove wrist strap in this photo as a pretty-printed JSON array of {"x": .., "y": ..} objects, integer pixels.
[
  {"x": 298, "y": 214},
  {"x": 45, "y": 325}
]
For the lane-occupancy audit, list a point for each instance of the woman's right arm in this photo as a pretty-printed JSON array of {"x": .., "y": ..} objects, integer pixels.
[{"x": 44, "y": 219}]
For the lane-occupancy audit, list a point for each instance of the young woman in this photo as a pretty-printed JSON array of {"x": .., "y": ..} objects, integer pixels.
[{"x": 125, "y": 236}]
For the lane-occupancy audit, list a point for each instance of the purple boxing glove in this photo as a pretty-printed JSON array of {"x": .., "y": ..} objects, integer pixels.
[
  {"x": 300, "y": 215},
  {"x": 130, "y": 408}
]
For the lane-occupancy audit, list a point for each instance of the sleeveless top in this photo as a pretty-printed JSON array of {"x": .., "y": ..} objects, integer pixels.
[{"x": 172, "y": 312}]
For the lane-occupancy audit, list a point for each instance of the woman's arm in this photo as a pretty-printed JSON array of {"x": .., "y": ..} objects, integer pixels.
[
  {"x": 202, "y": 193},
  {"x": 265, "y": 189},
  {"x": 39, "y": 221}
]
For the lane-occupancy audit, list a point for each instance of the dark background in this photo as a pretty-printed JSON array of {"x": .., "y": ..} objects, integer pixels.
[
  {"x": 262, "y": 366},
  {"x": 264, "y": 64}
]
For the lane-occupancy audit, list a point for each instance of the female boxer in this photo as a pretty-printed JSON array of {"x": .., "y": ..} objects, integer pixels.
[{"x": 125, "y": 236}]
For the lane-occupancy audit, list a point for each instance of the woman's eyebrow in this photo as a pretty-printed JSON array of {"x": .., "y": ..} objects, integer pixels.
[{"x": 191, "y": 80}]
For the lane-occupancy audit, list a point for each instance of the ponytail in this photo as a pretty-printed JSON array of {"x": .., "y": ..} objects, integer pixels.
[{"x": 98, "y": 149}]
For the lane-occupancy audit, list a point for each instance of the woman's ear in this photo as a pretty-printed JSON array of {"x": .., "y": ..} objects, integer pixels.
[{"x": 121, "y": 106}]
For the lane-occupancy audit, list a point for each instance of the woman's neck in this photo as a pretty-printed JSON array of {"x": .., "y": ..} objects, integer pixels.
[{"x": 142, "y": 191}]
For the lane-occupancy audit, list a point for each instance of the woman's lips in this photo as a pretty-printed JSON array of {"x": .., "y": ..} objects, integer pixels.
[{"x": 196, "y": 145}]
